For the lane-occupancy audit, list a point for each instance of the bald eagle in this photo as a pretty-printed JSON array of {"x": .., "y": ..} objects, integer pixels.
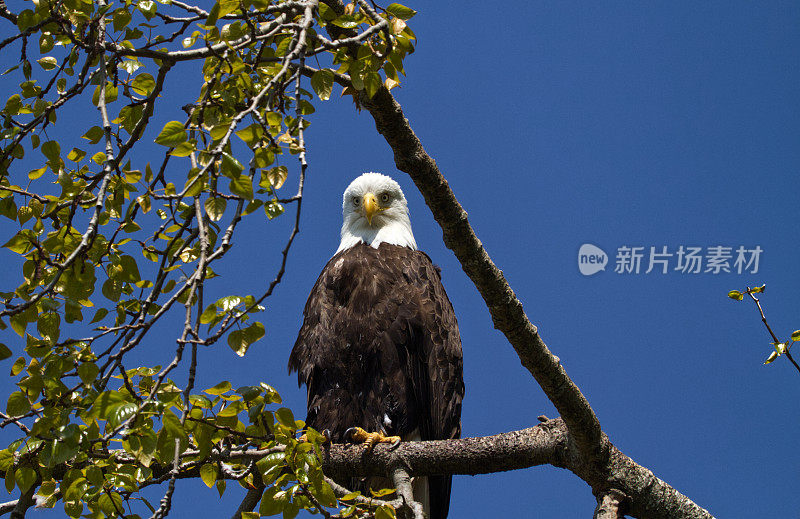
[{"x": 379, "y": 347}]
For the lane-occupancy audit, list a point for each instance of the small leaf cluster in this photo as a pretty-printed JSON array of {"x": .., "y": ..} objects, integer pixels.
[{"x": 780, "y": 347}]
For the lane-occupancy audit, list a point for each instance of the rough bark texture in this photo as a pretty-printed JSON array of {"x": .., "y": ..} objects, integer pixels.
[{"x": 635, "y": 489}]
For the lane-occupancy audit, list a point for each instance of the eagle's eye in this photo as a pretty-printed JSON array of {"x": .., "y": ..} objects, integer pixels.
[
  {"x": 384, "y": 197},
  {"x": 356, "y": 201}
]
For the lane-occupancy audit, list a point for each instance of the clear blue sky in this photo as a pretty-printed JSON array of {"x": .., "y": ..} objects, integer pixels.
[{"x": 558, "y": 124}]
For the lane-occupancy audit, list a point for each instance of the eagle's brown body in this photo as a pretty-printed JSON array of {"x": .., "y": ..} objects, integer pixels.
[{"x": 380, "y": 349}]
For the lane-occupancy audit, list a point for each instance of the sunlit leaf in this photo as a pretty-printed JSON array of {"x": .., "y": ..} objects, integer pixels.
[
  {"x": 400, "y": 11},
  {"x": 215, "y": 208},
  {"x": 322, "y": 83},
  {"x": 172, "y": 134},
  {"x": 208, "y": 473}
]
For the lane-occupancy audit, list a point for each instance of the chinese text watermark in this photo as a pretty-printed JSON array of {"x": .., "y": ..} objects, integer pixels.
[{"x": 682, "y": 259}]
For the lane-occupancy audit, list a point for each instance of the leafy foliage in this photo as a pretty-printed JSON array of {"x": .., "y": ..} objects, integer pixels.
[{"x": 111, "y": 240}]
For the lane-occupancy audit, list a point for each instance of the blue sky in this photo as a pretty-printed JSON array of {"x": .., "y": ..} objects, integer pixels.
[{"x": 557, "y": 124}]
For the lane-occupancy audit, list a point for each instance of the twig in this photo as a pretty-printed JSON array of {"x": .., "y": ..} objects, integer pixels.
[
  {"x": 775, "y": 339},
  {"x": 402, "y": 482}
]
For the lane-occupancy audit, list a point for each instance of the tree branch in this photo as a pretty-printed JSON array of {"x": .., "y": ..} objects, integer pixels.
[
  {"x": 609, "y": 505},
  {"x": 402, "y": 482},
  {"x": 506, "y": 310},
  {"x": 548, "y": 443}
]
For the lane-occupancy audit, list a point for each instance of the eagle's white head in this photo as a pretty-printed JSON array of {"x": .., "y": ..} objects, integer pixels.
[{"x": 375, "y": 211}]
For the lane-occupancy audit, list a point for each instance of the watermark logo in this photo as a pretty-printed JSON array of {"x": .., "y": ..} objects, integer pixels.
[
  {"x": 716, "y": 259},
  {"x": 591, "y": 259}
]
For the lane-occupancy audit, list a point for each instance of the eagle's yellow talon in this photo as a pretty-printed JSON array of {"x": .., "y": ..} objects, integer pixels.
[{"x": 359, "y": 435}]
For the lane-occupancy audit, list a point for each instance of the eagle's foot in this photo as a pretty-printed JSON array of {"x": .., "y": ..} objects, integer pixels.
[{"x": 359, "y": 435}]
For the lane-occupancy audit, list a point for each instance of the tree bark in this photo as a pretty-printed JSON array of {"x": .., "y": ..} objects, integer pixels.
[{"x": 634, "y": 489}]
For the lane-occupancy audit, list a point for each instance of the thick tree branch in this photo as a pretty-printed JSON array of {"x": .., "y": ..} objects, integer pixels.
[
  {"x": 548, "y": 443},
  {"x": 506, "y": 310}
]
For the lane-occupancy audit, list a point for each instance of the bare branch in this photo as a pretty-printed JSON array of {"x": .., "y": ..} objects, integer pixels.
[
  {"x": 609, "y": 505},
  {"x": 402, "y": 482}
]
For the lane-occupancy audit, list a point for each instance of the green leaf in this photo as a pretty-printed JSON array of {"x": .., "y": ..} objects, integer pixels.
[
  {"x": 48, "y": 62},
  {"x": 209, "y": 314},
  {"x": 18, "y": 366},
  {"x": 251, "y": 135},
  {"x": 213, "y": 15},
  {"x": 172, "y": 134},
  {"x": 272, "y": 502},
  {"x": 130, "y": 271},
  {"x": 93, "y": 134},
  {"x": 401, "y": 11},
  {"x": 48, "y": 325},
  {"x": 273, "y": 177},
  {"x": 143, "y": 84},
  {"x": 8, "y": 208},
  {"x": 4, "y": 351},
  {"x": 772, "y": 356},
  {"x": 147, "y": 8},
  {"x": 99, "y": 315},
  {"x": 111, "y": 93},
  {"x": 227, "y": 6},
  {"x": 215, "y": 207},
  {"x": 17, "y": 404},
  {"x": 219, "y": 389},
  {"x": 25, "y": 477},
  {"x": 106, "y": 402},
  {"x": 230, "y": 166},
  {"x": 120, "y": 413},
  {"x": 322, "y": 83},
  {"x": 13, "y": 105},
  {"x": 346, "y": 21},
  {"x": 285, "y": 417},
  {"x": 76, "y": 155},
  {"x": 173, "y": 426},
  {"x": 385, "y": 512},
  {"x": 52, "y": 150},
  {"x": 240, "y": 340},
  {"x": 273, "y": 209},
  {"x": 99, "y": 158},
  {"x": 47, "y": 488},
  {"x": 122, "y": 18},
  {"x": 88, "y": 372},
  {"x": 208, "y": 473},
  {"x": 112, "y": 289},
  {"x": 46, "y": 43},
  {"x": 19, "y": 243},
  {"x": 326, "y": 495},
  {"x": 372, "y": 82},
  {"x": 242, "y": 186},
  {"x": 36, "y": 173},
  {"x": 795, "y": 336},
  {"x": 735, "y": 294}
]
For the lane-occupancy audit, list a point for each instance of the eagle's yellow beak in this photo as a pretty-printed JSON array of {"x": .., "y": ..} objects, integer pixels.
[{"x": 371, "y": 207}]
